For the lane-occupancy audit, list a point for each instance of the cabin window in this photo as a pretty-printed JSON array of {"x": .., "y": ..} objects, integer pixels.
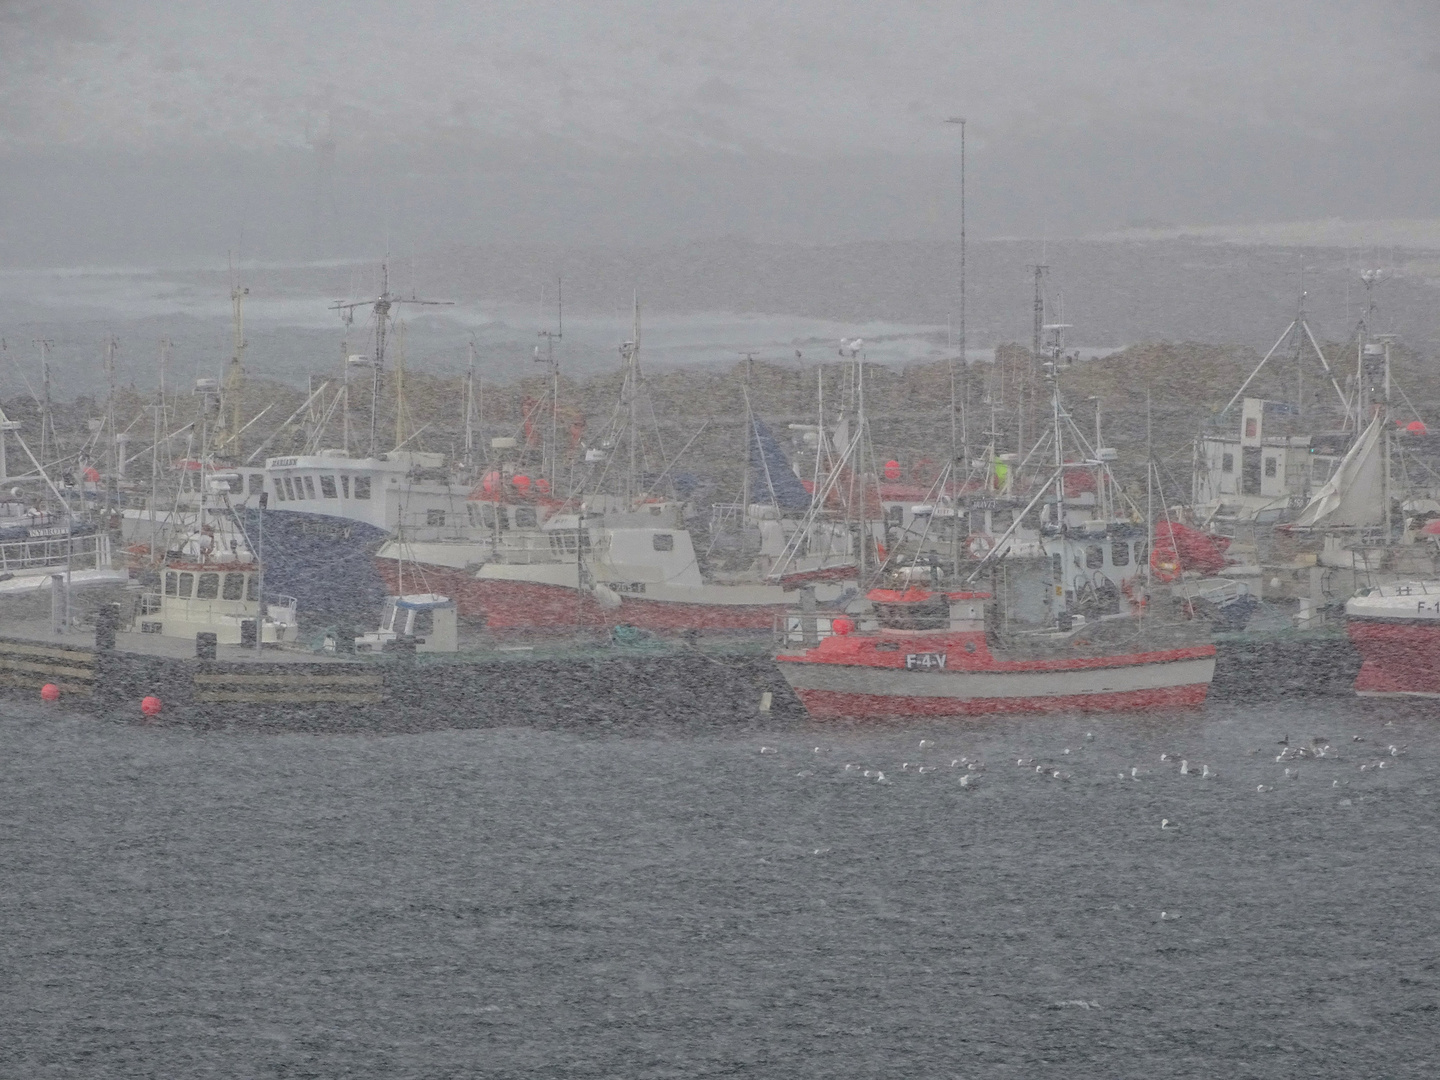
[
  {"x": 345, "y": 485},
  {"x": 526, "y": 517},
  {"x": 1119, "y": 553},
  {"x": 171, "y": 583},
  {"x": 1270, "y": 466},
  {"x": 362, "y": 487},
  {"x": 1057, "y": 566},
  {"x": 208, "y": 587},
  {"x": 435, "y": 517},
  {"x": 252, "y": 587},
  {"x": 1251, "y": 427},
  {"x": 1142, "y": 552},
  {"x": 234, "y": 587},
  {"x": 932, "y": 613},
  {"x": 327, "y": 487},
  {"x": 1227, "y": 463},
  {"x": 1094, "y": 557},
  {"x": 279, "y": 490},
  {"x": 309, "y": 486},
  {"x": 257, "y": 483},
  {"x": 663, "y": 541},
  {"x": 289, "y": 488},
  {"x": 894, "y": 516},
  {"x": 424, "y": 622}
]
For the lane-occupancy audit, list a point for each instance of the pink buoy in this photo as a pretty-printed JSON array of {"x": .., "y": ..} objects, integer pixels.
[
  {"x": 841, "y": 626},
  {"x": 50, "y": 692},
  {"x": 892, "y": 470},
  {"x": 150, "y": 705}
]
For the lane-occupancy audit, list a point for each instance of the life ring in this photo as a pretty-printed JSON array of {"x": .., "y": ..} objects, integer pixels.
[{"x": 980, "y": 544}]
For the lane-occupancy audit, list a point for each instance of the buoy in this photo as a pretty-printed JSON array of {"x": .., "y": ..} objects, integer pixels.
[
  {"x": 1416, "y": 427},
  {"x": 892, "y": 470},
  {"x": 841, "y": 626},
  {"x": 543, "y": 486},
  {"x": 521, "y": 482},
  {"x": 150, "y": 705},
  {"x": 50, "y": 692}
]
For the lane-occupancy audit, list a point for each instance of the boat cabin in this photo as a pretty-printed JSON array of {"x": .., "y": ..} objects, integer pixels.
[
  {"x": 427, "y": 619},
  {"x": 218, "y": 599}
]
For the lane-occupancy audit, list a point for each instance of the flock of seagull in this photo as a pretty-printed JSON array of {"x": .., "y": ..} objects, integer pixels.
[{"x": 970, "y": 769}]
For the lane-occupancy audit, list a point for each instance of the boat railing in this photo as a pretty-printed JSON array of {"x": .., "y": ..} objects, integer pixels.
[{"x": 33, "y": 553}]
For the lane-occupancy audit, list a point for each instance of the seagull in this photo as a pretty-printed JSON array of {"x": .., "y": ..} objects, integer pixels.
[
  {"x": 925, "y": 744},
  {"x": 1262, "y": 787},
  {"x": 850, "y": 767},
  {"x": 1039, "y": 768},
  {"x": 1134, "y": 773},
  {"x": 904, "y": 766},
  {"x": 880, "y": 778},
  {"x": 1207, "y": 774},
  {"x": 1089, "y": 735},
  {"x": 965, "y": 780},
  {"x": 768, "y": 750},
  {"x": 1184, "y": 767},
  {"x": 1164, "y": 757},
  {"x": 925, "y": 769},
  {"x": 816, "y": 750},
  {"x": 1292, "y": 775},
  {"x": 1066, "y": 750},
  {"x": 820, "y": 850},
  {"x": 1165, "y": 916},
  {"x": 1166, "y": 823},
  {"x": 954, "y": 763},
  {"x": 869, "y": 774}
]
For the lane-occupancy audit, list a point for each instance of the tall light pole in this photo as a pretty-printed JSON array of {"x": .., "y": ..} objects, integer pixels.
[{"x": 965, "y": 434}]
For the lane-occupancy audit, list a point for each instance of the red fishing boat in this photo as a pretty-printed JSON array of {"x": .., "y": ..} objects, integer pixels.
[
  {"x": 1396, "y": 630},
  {"x": 934, "y": 653}
]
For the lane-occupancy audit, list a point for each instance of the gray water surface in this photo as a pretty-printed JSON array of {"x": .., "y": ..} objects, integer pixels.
[{"x": 526, "y": 903}]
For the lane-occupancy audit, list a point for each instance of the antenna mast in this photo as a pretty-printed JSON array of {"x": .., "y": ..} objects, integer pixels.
[{"x": 380, "y": 308}]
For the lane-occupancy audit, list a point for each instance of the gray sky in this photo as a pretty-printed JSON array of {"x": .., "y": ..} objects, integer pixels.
[{"x": 170, "y": 128}]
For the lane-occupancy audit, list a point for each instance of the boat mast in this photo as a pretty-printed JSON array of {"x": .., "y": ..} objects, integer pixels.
[
  {"x": 552, "y": 336},
  {"x": 470, "y": 410}
]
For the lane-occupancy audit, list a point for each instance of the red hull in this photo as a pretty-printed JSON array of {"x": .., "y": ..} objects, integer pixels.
[
  {"x": 830, "y": 705},
  {"x": 525, "y": 605},
  {"x": 1397, "y": 656}
]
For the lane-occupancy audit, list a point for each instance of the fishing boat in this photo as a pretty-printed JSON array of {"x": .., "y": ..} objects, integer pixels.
[
  {"x": 1082, "y": 626},
  {"x": 1396, "y": 630},
  {"x": 933, "y": 652}
]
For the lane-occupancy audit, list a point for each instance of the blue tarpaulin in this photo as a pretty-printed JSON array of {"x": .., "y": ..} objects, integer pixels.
[{"x": 771, "y": 478}]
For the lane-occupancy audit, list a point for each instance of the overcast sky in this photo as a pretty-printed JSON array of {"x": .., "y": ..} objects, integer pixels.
[{"x": 806, "y": 120}]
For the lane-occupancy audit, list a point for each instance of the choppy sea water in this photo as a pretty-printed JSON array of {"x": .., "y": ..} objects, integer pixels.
[{"x": 528, "y": 903}]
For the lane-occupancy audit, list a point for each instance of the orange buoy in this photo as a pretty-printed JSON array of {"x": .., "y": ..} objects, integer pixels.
[
  {"x": 892, "y": 470},
  {"x": 50, "y": 692},
  {"x": 521, "y": 482},
  {"x": 841, "y": 626},
  {"x": 1416, "y": 427},
  {"x": 150, "y": 705}
]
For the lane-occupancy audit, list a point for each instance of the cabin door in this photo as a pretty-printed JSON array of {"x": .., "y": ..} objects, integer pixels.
[{"x": 1250, "y": 470}]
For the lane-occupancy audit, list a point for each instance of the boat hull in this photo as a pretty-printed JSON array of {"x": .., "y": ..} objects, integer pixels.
[
  {"x": 1398, "y": 657},
  {"x": 514, "y": 604},
  {"x": 1141, "y": 681},
  {"x": 325, "y": 562}
]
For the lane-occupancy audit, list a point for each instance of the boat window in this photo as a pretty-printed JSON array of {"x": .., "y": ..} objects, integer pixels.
[
  {"x": 1142, "y": 552},
  {"x": 327, "y": 487},
  {"x": 289, "y": 488},
  {"x": 257, "y": 483},
  {"x": 525, "y": 517},
  {"x": 434, "y": 517},
  {"x": 252, "y": 587},
  {"x": 345, "y": 485},
  {"x": 424, "y": 622},
  {"x": 1269, "y": 466},
  {"x": 1119, "y": 553},
  {"x": 362, "y": 487},
  {"x": 1227, "y": 463},
  {"x": 309, "y": 486},
  {"x": 171, "y": 582},
  {"x": 894, "y": 515},
  {"x": 208, "y": 587},
  {"x": 663, "y": 541},
  {"x": 932, "y": 613},
  {"x": 1094, "y": 557},
  {"x": 1057, "y": 565},
  {"x": 1250, "y": 427},
  {"x": 234, "y": 587},
  {"x": 279, "y": 490}
]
